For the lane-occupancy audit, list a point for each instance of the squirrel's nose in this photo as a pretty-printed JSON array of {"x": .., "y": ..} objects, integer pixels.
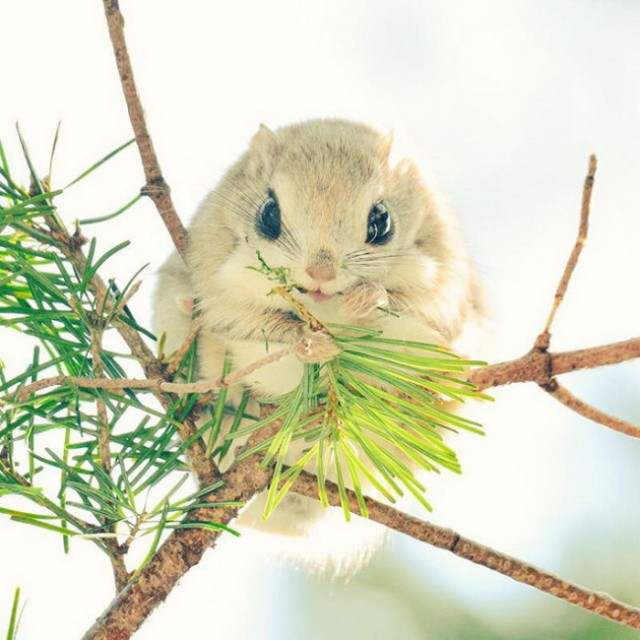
[
  {"x": 321, "y": 266},
  {"x": 321, "y": 272}
]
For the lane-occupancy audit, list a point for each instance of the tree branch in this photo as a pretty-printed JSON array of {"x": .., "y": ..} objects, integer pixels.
[
  {"x": 541, "y": 367},
  {"x": 157, "y": 385},
  {"x": 156, "y": 188},
  {"x": 442, "y": 538},
  {"x": 542, "y": 342},
  {"x": 183, "y": 549},
  {"x": 565, "y": 397}
]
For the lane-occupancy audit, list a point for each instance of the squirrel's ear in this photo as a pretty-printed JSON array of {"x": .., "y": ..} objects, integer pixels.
[
  {"x": 384, "y": 149},
  {"x": 406, "y": 173},
  {"x": 264, "y": 141}
]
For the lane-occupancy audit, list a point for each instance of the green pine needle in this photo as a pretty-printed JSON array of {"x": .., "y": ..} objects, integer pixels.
[{"x": 14, "y": 618}]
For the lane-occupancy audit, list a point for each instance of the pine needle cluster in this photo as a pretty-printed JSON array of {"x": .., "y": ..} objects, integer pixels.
[
  {"x": 98, "y": 464},
  {"x": 372, "y": 416}
]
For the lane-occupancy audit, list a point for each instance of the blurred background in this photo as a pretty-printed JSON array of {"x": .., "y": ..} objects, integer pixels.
[{"x": 500, "y": 102}]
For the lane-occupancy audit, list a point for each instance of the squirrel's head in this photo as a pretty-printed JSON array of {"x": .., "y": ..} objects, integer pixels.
[{"x": 321, "y": 199}]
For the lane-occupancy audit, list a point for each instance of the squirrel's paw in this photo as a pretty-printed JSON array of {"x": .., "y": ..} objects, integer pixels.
[
  {"x": 316, "y": 347},
  {"x": 363, "y": 299}
]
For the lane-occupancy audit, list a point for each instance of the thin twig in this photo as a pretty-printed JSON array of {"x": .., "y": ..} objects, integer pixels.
[
  {"x": 300, "y": 309},
  {"x": 208, "y": 386},
  {"x": 535, "y": 366},
  {"x": 145, "y": 384},
  {"x": 542, "y": 342},
  {"x": 552, "y": 386},
  {"x": 565, "y": 397},
  {"x": 7, "y": 469},
  {"x": 178, "y": 357},
  {"x": 104, "y": 434},
  {"x": 71, "y": 247},
  {"x": 156, "y": 187},
  {"x": 140, "y": 520},
  {"x": 120, "y": 573},
  {"x": 126, "y": 298}
]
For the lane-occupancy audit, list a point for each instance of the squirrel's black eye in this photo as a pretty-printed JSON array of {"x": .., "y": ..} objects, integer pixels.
[
  {"x": 268, "y": 221},
  {"x": 379, "y": 225}
]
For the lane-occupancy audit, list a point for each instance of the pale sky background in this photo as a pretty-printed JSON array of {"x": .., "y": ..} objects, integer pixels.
[{"x": 500, "y": 101}]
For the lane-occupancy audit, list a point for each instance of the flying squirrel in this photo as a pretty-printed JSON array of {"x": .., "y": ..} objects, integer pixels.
[{"x": 366, "y": 243}]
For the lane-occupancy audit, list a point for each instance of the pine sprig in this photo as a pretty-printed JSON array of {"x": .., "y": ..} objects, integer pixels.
[
  {"x": 372, "y": 418},
  {"x": 50, "y": 454}
]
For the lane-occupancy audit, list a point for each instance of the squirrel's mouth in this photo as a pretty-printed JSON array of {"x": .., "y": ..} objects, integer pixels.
[{"x": 317, "y": 295}]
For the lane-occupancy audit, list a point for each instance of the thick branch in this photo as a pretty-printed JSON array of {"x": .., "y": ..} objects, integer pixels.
[
  {"x": 541, "y": 367},
  {"x": 182, "y": 550},
  {"x": 156, "y": 187},
  {"x": 600, "y": 603}
]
